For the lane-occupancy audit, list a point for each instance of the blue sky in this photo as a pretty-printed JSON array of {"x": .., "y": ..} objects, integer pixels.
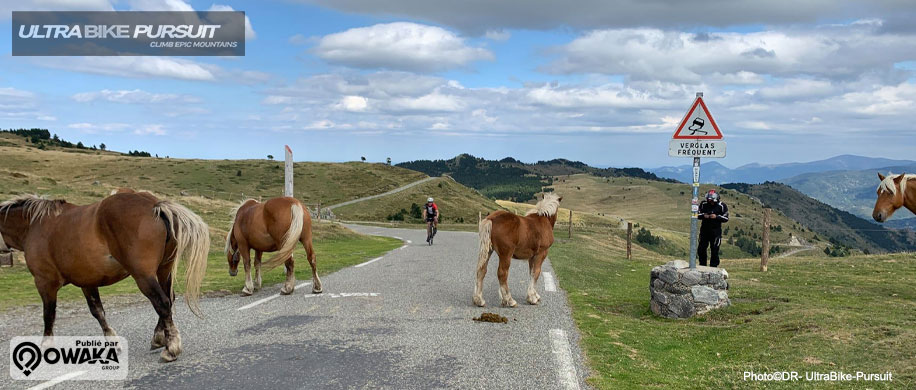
[{"x": 601, "y": 82}]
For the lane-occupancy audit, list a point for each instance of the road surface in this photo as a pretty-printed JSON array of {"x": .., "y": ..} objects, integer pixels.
[{"x": 402, "y": 321}]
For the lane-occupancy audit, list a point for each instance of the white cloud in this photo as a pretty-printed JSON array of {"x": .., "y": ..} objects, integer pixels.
[
  {"x": 478, "y": 17},
  {"x": 249, "y": 31},
  {"x": 135, "y": 96},
  {"x": 836, "y": 52},
  {"x": 353, "y": 103},
  {"x": 152, "y": 67},
  {"x": 498, "y": 35},
  {"x": 399, "y": 46},
  {"x": 150, "y": 130}
]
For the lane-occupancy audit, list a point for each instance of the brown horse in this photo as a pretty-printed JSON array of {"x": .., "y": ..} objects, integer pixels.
[
  {"x": 96, "y": 245},
  {"x": 512, "y": 236},
  {"x": 273, "y": 226},
  {"x": 892, "y": 195}
]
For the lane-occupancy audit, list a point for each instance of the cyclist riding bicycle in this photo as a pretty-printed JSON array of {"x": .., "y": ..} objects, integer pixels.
[{"x": 431, "y": 216}]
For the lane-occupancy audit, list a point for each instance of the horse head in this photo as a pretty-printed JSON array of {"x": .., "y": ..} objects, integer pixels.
[
  {"x": 232, "y": 254},
  {"x": 890, "y": 196},
  {"x": 18, "y": 214}
]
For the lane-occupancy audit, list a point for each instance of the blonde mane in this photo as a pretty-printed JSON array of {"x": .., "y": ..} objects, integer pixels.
[
  {"x": 36, "y": 207},
  {"x": 233, "y": 213},
  {"x": 887, "y": 185},
  {"x": 547, "y": 206}
]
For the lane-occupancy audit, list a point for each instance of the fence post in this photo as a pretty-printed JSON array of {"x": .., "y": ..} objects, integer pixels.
[
  {"x": 765, "y": 252},
  {"x": 319, "y": 210},
  {"x": 629, "y": 240},
  {"x": 570, "y": 223},
  {"x": 288, "y": 173},
  {"x": 479, "y": 217}
]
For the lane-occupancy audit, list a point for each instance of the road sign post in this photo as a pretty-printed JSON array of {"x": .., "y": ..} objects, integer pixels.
[{"x": 697, "y": 136}]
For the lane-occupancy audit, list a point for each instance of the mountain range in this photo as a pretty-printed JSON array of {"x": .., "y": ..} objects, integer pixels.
[{"x": 716, "y": 173}]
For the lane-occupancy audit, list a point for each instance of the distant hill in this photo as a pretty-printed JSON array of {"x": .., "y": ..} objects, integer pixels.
[
  {"x": 714, "y": 172},
  {"x": 850, "y": 190},
  {"x": 837, "y": 225},
  {"x": 512, "y": 179}
]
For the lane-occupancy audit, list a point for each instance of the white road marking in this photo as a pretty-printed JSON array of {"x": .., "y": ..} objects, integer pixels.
[
  {"x": 268, "y": 299},
  {"x": 347, "y": 295},
  {"x": 566, "y": 371},
  {"x": 399, "y": 238},
  {"x": 405, "y": 246},
  {"x": 549, "y": 284},
  {"x": 409, "y": 242},
  {"x": 57, "y": 380},
  {"x": 368, "y": 262}
]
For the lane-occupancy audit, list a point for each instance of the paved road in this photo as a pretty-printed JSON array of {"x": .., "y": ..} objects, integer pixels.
[
  {"x": 400, "y": 322},
  {"x": 394, "y": 191}
]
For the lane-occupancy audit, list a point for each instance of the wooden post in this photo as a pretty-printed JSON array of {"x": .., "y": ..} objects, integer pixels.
[
  {"x": 479, "y": 217},
  {"x": 288, "y": 173},
  {"x": 765, "y": 252},
  {"x": 319, "y": 210},
  {"x": 570, "y": 223},
  {"x": 629, "y": 240}
]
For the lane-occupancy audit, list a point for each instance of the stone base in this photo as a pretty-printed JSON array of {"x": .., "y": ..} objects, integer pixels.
[{"x": 680, "y": 292}]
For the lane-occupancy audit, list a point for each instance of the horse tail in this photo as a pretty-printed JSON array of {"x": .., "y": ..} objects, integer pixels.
[
  {"x": 290, "y": 239},
  {"x": 192, "y": 242},
  {"x": 486, "y": 245}
]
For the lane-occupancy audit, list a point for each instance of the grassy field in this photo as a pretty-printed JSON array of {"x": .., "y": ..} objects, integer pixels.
[
  {"x": 336, "y": 247},
  {"x": 458, "y": 204},
  {"x": 664, "y": 209},
  {"x": 805, "y": 314},
  {"x": 74, "y": 172}
]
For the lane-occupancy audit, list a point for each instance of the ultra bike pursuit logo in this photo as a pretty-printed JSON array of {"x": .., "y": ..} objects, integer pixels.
[
  {"x": 78, "y": 357},
  {"x": 128, "y": 33}
]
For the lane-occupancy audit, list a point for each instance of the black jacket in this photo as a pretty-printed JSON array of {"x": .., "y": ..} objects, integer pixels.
[{"x": 720, "y": 210}]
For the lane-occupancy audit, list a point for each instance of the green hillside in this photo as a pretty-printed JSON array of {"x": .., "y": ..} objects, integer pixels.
[
  {"x": 458, "y": 204},
  {"x": 836, "y": 225},
  {"x": 512, "y": 179},
  {"x": 663, "y": 208}
]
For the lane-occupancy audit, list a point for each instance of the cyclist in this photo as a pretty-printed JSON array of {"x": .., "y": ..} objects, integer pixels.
[
  {"x": 713, "y": 213},
  {"x": 431, "y": 216}
]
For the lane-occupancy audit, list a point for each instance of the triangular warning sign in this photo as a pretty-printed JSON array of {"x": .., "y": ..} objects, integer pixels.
[{"x": 698, "y": 123}]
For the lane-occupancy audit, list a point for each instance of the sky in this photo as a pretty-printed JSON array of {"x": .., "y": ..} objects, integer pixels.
[{"x": 603, "y": 82}]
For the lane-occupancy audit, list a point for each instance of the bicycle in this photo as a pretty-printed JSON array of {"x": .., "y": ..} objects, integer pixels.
[{"x": 430, "y": 231}]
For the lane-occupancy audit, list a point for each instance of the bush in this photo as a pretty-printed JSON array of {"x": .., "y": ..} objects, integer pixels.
[{"x": 644, "y": 236}]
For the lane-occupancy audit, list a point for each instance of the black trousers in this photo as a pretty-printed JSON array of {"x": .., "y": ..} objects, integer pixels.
[{"x": 713, "y": 239}]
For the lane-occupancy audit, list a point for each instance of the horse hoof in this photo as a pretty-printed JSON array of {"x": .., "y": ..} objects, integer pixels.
[
  {"x": 534, "y": 301},
  {"x": 246, "y": 292},
  {"x": 286, "y": 291},
  {"x": 480, "y": 302},
  {"x": 317, "y": 291},
  {"x": 510, "y": 303},
  {"x": 167, "y": 357}
]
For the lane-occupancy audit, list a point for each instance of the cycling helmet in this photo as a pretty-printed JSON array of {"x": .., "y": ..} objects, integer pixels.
[
  {"x": 429, "y": 200},
  {"x": 712, "y": 195}
]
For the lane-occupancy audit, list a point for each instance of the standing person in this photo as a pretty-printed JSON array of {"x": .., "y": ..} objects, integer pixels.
[
  {"x": 713, "y": 212},
  {"x": 431, "y": 216}
]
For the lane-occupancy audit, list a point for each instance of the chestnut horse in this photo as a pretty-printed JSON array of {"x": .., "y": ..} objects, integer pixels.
[
  {"x": 892, "y": 195},
  {"x": 512, "y": 236},
  {"x": 96, "y": 245},
  {"x": 273, "y": 226}
]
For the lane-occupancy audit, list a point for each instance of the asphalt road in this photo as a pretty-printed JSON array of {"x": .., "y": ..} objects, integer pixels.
[{"x": 400, "y": 322}]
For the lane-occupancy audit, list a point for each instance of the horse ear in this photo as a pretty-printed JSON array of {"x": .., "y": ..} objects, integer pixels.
[
  {"x": 898, "y": 178},
  {"x": 560, "y": 199},
  {"x": 880, "y": 176}
]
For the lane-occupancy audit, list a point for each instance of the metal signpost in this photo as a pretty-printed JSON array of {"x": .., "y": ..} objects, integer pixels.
[
  {"x": 697, "y": 136},
  {"x": 288, "y": 173}
]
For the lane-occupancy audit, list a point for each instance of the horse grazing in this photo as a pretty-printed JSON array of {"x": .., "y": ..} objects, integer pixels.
[
  {"x": 512, "y": 236},
  {"x": 273, "y": 226},
  {"x": 892, "y": 195},
  {"x": 96, "y": 245}
]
